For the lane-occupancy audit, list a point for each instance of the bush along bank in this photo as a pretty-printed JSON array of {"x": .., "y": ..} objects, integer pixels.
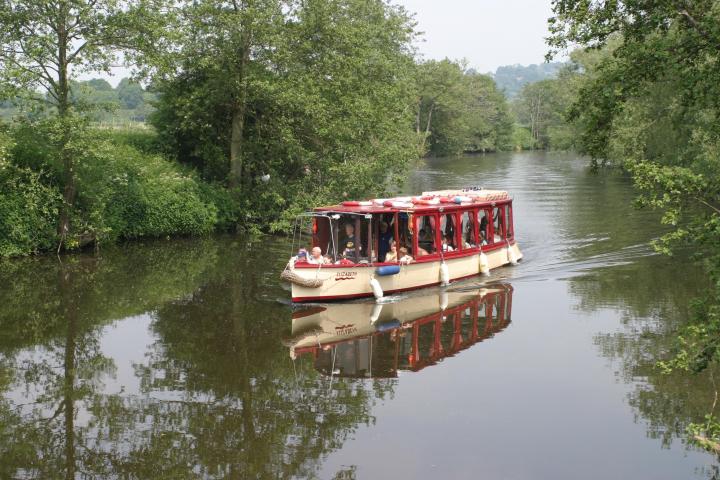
[{"x": 124, "y": 191}]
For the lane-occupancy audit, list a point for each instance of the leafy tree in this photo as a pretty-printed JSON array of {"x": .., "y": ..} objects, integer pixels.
[
  {"x": 542, "y": 108},
  {"x": 440, "y": 93},
  {"x": 45, "y": 44},
  {"x": 490, "y": 119},
  {"x": 459, "y": 110},
  {"x": 316, "y": 100},
  {"x": 99, "y": 84},
  {"x": 130, "y": 94},
  {"x": 651, "y": 105}
]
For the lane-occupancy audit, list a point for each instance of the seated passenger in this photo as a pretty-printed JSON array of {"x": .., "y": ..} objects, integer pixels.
[
  {"x": 446, "y": 247},
  {"x": 426, "y": 240},
  {"x": 483, "y": 230},
  {"x": 386, "y": 237},
  {"x": 316, "y": 257},
  {"x": 403, "y": 256},
  {"x": 392, "y": 255},
  {"x": 348, "y": 245},
  {"x": 301, "y": 256}
]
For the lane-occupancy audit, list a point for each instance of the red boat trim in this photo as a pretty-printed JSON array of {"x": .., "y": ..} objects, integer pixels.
[{"x": 370, "y": 294}]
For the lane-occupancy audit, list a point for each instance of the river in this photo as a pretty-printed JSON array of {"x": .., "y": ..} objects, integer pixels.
[{"x": 183, "y": 358}]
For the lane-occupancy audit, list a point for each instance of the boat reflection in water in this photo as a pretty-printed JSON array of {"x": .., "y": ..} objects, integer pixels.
[{"x": 363, "y": 340}]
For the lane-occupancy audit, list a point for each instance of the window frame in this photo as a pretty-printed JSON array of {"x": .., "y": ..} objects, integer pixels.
[{"x": 416, "y": 237}]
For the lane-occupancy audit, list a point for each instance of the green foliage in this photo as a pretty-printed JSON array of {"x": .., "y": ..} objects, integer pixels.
[
  {"x": 522, "y": 138},
  {"x": 28, "y": 208},
  {"x": 459, "y": 111},
  {"x": 542, "y": 107},
  {"x": 321, "y": 106},
  {"x": 130, "y": 94},
  {"x": 648, "y": 103},
  {"x": 707, "y": 434},
  {"x": 144, "y": 140},
  {"x": 124, "y": 193}
]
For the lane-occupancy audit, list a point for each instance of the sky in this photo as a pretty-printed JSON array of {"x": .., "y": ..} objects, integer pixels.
[{"x": 488, "y": 33}]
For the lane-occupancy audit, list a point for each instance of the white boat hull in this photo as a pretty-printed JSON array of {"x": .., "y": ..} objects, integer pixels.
[{"x": 344, "y": 282}]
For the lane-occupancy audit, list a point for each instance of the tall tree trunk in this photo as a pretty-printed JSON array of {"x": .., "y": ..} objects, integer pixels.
[
  {"x": 238, "y": 118},
  {"x": 427, "y": 129},
  {"x": 63, "y": 96},
  {"x": 236, "y": 144},
  {"x": 417, "y": 116}
]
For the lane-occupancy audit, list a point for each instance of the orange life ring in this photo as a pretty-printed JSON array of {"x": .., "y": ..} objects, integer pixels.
[{"x": 420, "y": 201}]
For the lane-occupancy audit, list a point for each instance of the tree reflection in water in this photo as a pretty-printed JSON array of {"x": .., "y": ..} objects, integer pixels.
[
  {"x": 218, "y": 396},
  {"x": 666, "y": 403}
]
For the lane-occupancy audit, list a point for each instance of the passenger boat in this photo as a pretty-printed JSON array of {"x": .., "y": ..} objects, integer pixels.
[
  {"x": 438, "y": 237},
  {"x": 379, "y": 340}
]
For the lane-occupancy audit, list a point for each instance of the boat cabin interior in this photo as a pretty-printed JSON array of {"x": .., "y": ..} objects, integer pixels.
[{"x": 385, "y": 235}]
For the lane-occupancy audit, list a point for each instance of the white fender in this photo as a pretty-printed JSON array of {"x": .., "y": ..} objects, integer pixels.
[
  {"x": 377, "y": 310},
  {"x": 444, "y": 274},
  {"x": 376, "y": 288},
  {"x": 484, "y": 264},
  {"x": 511, "y": 255},
  {"x": 443, "y": 300}
]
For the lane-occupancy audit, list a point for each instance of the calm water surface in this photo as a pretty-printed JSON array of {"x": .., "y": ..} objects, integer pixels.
[{"x": 184, "y": 359}]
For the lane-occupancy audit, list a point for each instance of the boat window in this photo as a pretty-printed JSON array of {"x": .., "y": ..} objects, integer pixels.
[
  {"x": 354, "y": 237},
  {"x": 498, "y": 224},
  {"x": 508, "y": 221},
  {"x": 321, "y": 235},
  {"x": 405, "y": 232},
  {"x": 383, "y": 234},
  {"x": 467, "y": 227},
  {"x": 447, "y": 230},
  {"x": 484, "y": 223},
  {"x": 426, "y": 227}
]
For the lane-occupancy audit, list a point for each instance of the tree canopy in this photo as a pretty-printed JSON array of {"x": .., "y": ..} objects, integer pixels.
[{"x": 459, "y": 110}]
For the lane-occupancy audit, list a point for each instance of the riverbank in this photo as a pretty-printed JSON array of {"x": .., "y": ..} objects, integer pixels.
[{"x": 126, "y": 189}]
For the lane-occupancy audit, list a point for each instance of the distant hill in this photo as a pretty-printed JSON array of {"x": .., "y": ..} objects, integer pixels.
[{"x": 511, "y": 78}]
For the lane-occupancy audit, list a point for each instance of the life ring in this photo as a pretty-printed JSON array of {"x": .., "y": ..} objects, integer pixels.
[
  {"x": 354, "y": 203},
  {"x": 461, "y": 198}
]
